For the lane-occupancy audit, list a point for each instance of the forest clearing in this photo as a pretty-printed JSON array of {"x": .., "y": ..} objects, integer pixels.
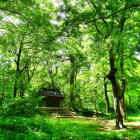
[{"x": 69, "y": 69}]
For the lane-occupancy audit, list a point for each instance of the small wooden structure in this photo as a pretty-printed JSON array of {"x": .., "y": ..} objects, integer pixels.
[{"x": 53, "y": 97}]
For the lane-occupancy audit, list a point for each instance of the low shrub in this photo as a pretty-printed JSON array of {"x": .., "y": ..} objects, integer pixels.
[{"x": 26, "y": 107}]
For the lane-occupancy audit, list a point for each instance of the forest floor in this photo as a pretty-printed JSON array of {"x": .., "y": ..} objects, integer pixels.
[
  {"x": 132, "y": 123},
  {"x": 106, "y": 123},
  {"x": 105, "y": 126},
  {"x": 42, "y": 127}
]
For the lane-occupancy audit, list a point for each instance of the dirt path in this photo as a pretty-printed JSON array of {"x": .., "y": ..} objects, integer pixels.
[{"x": 108, "y": 125}]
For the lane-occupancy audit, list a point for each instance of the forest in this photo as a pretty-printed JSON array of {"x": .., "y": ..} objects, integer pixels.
[{"x": 69, "y": 69}]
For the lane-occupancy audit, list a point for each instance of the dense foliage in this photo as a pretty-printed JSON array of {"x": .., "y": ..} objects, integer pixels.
[{"x": 88, "y": 49}]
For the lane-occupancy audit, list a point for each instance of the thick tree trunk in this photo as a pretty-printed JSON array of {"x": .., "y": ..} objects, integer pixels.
[
  {"x": 122, "y": 108},
  {"x": 116, "y": 89},
  {"x": 118, "y": 114},
  {"x": 106, "y": 95},
  {"x": 119, "y": 118},
  {"x": 121, "y": 96}
]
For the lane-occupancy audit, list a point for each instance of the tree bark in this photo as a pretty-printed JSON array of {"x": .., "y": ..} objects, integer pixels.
[
  {"x": 116, "y": 89},
  {"x": 122, "y": 107},
  {"x": 122, "y": 90}
]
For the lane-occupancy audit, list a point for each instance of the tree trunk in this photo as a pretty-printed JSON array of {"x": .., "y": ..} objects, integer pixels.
[
  {"x": 15, "y": 89},
  {"x": 18, "y": 67},
  {"x": 122, "y": 108},
  {"x": 106, "y": 95},
  {"x": 122, "y": 90},
  {"x": 121, "y": 54},
  {"x": 119, "y": 117},
  {"x": 72, "y": 80},
  {"x": 116, "y": 89}
]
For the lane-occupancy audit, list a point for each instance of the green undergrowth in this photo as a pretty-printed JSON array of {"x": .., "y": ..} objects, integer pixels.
[
  {"x": 109, "y": 116},
  {"x": 133, "y": 117},
  {"x": 47, "y": 128}
]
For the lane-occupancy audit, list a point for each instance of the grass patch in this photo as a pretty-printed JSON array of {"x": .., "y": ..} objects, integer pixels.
[
  {"x": 46, "y": 128},
  {"x": 133, "y": 118}
]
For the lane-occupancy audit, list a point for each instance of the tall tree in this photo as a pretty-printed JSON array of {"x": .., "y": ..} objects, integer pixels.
[
  {"x": 25, "y": 36},
  {"x": 108, "y": 19}
]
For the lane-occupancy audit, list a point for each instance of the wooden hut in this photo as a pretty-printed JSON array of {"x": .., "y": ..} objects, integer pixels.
[{"x": 53, "y": 97}]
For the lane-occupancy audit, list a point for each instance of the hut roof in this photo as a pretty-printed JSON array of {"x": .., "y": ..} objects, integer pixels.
[{"x": 51, "y": 92}]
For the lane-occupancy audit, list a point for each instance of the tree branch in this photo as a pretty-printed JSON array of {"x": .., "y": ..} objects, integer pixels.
[
  {"x": 132, "y": 6},
  {"x": 14, "y": 12},
  {"x": 98, "y": 30},
  {"x": 98, "y": 12}
]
